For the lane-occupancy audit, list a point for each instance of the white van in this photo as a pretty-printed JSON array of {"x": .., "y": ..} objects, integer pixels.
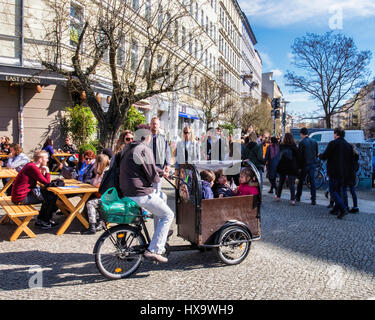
[{"x": 352, "y": 136}]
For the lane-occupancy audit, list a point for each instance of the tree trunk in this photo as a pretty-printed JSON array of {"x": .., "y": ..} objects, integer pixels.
[
  {"x": 108, "y": 135},
  {"x": 328, "y": 121}
]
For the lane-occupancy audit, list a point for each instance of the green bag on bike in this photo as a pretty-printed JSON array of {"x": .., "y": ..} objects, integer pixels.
[{"x": 118, "y": 210}]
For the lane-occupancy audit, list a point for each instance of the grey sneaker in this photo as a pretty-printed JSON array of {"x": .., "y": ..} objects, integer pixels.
[{"x": 155, "y": 256}]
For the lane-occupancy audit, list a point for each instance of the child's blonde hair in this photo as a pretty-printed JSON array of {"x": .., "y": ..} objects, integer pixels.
[{"x": 102, "y": 162}]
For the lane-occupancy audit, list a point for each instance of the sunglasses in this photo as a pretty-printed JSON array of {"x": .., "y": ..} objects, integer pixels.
[
  {"x": 185, "y": 132},
  {"x": 88, "y": 159},
  {"x": 128, "y": 139}
]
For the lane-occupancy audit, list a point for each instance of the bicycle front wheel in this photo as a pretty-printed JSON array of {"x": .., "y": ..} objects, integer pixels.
[{"x": 119, "y": 251}]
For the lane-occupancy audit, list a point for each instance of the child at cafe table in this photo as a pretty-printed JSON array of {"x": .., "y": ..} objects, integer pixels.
[
  {"x": 25, "y": 189},
  {"x": 101, "y": 166}
]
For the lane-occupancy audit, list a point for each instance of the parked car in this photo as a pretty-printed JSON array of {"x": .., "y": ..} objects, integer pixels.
[
  {"x": 352, "y": 136},
  {"x": 297, "y": 137}
]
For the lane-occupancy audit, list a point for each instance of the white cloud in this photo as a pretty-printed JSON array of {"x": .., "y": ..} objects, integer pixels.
[
  {"x": 286, "y": 12},
  {"x": 277, "y": 73}
]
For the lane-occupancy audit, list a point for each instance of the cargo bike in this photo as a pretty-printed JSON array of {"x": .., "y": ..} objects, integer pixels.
[{"x": 226, "y": 226}]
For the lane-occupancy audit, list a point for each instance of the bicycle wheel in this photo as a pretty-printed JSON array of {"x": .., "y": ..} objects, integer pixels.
[
  {"x": 234, "y": 245},
  {"x": 319, "y": 178},
  {"x": 119, "y": 251}
]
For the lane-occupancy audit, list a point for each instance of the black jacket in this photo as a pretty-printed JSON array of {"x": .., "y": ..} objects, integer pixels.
[
  {"x": 339, "y": 156},
  {"x": 288, "y": 160},
  {"x": 308, "y": 152}
]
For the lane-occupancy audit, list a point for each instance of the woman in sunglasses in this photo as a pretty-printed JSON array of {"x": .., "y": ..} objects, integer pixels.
[
  {"x": 86, "y": 170},
  {"x": 126, "y": 137},
  {"x": 187, "y": 149}
]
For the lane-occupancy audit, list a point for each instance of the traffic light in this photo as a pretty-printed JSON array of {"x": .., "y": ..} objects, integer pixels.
[{"x": 276, "y": 103}]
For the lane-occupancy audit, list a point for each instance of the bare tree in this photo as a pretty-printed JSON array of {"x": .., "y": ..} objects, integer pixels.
[
  {"x": 214, "y": 95},
  {"x": 333, "y": 69},
  {"x": 143, "y": 48},
  {"x": 255, "y": 114}
]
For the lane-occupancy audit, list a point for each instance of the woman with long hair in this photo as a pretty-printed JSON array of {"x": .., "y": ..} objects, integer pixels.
[
  {"x": 287, "y": 166},
  {"x": 101, "y": 166},
  {"x": 126, "y": 137},
  {"x": 187, "y": 150}
]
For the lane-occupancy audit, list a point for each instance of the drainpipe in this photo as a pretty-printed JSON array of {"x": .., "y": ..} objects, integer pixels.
[{"x": 21, "y": 124}]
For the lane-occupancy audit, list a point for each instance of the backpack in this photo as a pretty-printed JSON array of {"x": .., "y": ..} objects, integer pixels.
[
  {"x": 111, "y": 178},
  {"x": 286, "y": 154}
]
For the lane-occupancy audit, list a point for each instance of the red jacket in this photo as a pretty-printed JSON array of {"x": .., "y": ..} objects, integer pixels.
[
  {"x": 244, "y": 189},
  {"x": 27, "y": 179}
]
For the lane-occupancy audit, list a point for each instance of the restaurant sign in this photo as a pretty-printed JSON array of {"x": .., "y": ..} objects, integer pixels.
[{"x": 22, "y": 79}]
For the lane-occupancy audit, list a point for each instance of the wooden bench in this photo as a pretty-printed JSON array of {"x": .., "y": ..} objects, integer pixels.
[{"x": 15, "y": 212}]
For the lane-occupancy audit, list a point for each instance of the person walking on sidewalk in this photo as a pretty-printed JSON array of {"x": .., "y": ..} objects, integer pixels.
[
  {"x": 339, "y": 156},
  {"x": 351, "y": 182},
  {"x": 272, "y": 160},
  {"x": 287, "y": 166},
  {"x": 308, "y": 153}
]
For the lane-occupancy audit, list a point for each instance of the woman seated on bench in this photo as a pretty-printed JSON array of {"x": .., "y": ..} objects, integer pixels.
[{"x": 25, "y": 189}]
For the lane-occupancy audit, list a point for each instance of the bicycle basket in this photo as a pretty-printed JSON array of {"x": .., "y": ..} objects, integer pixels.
[{"x": 118, "y": 210}]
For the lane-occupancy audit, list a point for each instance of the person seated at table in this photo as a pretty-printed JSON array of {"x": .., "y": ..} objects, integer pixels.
[
  {"x": 16, "y": 161},
  {"x": 69, "y": 147},
  {"x": 86, "y": 168},
  {"x": 101, "y": 166},
  {"x": 48, "y": 146},
  {"x": 248, "y": 184},
  {"x": 5, "y": 143},
  {"x": 221, "y": 188},
  {"x": 25, "y": 189},
  {"x": 208, "y": 179}
]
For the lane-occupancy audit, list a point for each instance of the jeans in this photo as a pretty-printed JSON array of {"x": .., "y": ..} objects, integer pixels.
[
  {"x": 163, "y": 217},
  {"x": 354, "y": 196},
  {"x": 48, "y": 205},
  {"x": 336, "y": 188},
  {"x": 291, "y": 182},
  {"x": 310, "y": 171},
  {"x": 92, "y": 210}
]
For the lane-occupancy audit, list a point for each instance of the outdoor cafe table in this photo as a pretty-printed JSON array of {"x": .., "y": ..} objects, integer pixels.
[
  {"x": 58, "y": 155},
  {"x": 5, "y": 156},
  {"x": 75, "y": 188},
  {"x": 7, "y": 173}
]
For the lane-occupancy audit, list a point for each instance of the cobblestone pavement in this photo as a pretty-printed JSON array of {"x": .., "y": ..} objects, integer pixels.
[{"x": 304, "y": 253}]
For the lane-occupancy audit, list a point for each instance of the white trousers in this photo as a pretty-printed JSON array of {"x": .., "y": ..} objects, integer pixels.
[{"x": 156, "y": 203}]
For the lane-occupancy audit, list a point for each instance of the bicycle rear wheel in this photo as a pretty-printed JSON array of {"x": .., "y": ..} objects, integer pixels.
[{"x": 119, "y": 251}]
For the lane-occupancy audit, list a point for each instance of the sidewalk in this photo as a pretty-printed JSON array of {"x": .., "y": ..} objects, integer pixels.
[{"x": 366, "y": 198}]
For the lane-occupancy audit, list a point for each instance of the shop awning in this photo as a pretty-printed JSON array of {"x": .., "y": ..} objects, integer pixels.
[{"x": 189, "y": 116}]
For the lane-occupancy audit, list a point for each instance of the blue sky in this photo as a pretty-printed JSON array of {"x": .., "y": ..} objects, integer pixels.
[{"x": 276, "y": 24}]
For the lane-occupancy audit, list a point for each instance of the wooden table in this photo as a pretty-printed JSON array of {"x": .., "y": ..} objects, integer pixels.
[
  {"x": 5, "y": 156},
  {"x": 72, "y": 187},
  {"x": 58, "y": 155},
  {"x": 7, "y": 173}
]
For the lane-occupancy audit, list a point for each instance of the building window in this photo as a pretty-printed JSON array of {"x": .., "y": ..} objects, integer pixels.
[
  {"x": 76, "y": 22},
  {"x": 183, "y": 37},
  {"x": 196, "y": 11},
  {"x": 135, "y": 5},
  {"x": 148, "y": 10},
  {"x": 121, "y": 51},
  {"x": 190, "y": 43},
  {"x": 176, "y": 32},
  {"x": 202, "y": 18},
  {"x": 134, "y": 55},
  {"x": 147, "y": 62}
]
